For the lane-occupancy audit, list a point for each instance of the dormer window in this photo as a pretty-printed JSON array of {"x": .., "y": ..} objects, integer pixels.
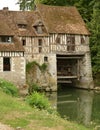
[
  {"x": 6, "y": 39},
  {"x": 39, "y": 27},
  {"x": 22, "y": 26}
]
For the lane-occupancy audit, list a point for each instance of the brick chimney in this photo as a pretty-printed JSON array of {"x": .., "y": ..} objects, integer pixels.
[{"x": 5, "y": 8}]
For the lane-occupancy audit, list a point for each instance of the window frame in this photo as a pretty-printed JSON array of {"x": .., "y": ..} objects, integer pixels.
[
  {"x": 24, "y": 42},
  {"x": 22, "y": 26},
  {"x": 71, "y": 43},
  {"x": 82, "y": 39},
  {"x": 40, "y": 42},
  {"x": 45, "y": 58},
  {"x": 6, "y": 39},
  {"x": 58, "y": 39},
  {"x": 6, "y": 63}
]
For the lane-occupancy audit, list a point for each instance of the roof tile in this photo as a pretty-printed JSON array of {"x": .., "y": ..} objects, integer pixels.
[{"x": 62, "y": 19}]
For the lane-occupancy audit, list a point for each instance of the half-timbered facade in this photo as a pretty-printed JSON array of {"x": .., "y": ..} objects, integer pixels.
[{"x": 53, "y": 35}]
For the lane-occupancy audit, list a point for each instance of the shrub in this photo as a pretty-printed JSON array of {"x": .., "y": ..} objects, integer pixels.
[
  {"x": 30, "y": 65},
  {"x": 38, "y": 100},
  {"x": 8, "y": 88},
  {"x": 43, "y": 67},
  {"x": 34, "y": 87}
]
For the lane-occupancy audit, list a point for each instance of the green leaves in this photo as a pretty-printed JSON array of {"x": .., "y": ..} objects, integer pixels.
[
  {"x": 38, "y": 100},
  {"x": 95, "y": 37},
  {"x": 26, "y": 4},
  {"x": 8, "y": 88}
]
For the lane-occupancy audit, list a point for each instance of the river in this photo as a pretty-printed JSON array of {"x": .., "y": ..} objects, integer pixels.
[{"x": 81, "y": 106}]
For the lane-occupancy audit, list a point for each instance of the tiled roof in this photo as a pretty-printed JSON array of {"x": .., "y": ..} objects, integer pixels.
[
  {"x": 16, "y": 45},
  {"x": 62, "y": 19},
  {"x": 57, "y": 19},
  {"x": 9, "y": 21},
  {"x": 5, "y": 28}
]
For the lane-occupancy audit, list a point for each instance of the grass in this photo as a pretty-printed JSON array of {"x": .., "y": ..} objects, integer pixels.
[
  {"x": 17, "y": 113},
  {"x": 8, "y": 87}
]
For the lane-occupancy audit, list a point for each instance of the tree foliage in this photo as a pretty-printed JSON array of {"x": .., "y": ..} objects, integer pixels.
[
  {"x": 95, "y": 37},
  {"x": 26, "y": 4},
  {"x": 85, "y": 8},
  {"x": 30, "y": 4}
]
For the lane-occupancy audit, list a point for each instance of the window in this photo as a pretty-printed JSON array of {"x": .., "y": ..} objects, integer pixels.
[
  {"x": 6, "y": 64},
  {"x": 7, "y": 39},
  {"x": 23, "y": 42},
  {"x": 22, "y": 26},
  {"x": 40, "y": 42},
  {"x": 39, "y": 27},
  {"x": 71, "y": 43},
  {"x": 82, "y": 39},
  {"x": 39, "y": 30},
  {"x": 45, "y": 59},
  {"x": 58, "y": 39},
  {"x": 40, "y": 45},
  {"x": 40, "y": 49}
]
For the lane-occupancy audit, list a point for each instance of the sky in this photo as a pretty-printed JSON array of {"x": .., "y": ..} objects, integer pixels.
[{"x": 11, "y": 4}]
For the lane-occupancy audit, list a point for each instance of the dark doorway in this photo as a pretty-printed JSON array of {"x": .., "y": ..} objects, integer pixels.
[{"x": 68, "y": 68}]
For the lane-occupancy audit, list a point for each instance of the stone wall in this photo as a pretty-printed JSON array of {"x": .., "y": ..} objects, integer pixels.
[
  {"x": 48, "y": 79},
  {"x": 87, "y": 79},
  {"x": 17, "y": 73}
]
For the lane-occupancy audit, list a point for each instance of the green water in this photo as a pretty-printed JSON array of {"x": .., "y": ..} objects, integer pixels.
[{"x": 81, "y": 106}]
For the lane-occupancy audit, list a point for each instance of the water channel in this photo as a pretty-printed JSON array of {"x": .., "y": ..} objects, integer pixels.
[{"x": 78, "y": 105}]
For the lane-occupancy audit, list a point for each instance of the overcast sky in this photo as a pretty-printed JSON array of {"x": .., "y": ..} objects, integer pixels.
[{"x": 9, "y": 3}]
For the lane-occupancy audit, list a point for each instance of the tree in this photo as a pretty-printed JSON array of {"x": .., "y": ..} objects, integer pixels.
[
  {"x": 54, "y": 2},
  {"x": 85, "y": 8},
  {"x": 30, "y": 4},
  {"x": 95, "y": 37},
  {"x": 26, "y": 4}
]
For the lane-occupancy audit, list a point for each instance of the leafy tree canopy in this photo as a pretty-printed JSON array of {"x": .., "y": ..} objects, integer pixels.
[{"x": 95, "y": 37}]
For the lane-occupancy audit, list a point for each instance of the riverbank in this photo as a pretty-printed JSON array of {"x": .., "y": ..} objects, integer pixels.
[
  {"x": 17, "y": 114},
  {"x": 5, "y": 127}
]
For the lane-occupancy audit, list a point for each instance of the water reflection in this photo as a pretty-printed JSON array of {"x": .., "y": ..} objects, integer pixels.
[
  {"x": 77, "y": 105},
  {"x": 84, "y": 106},
  {"x": 52, "y": 96}
]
